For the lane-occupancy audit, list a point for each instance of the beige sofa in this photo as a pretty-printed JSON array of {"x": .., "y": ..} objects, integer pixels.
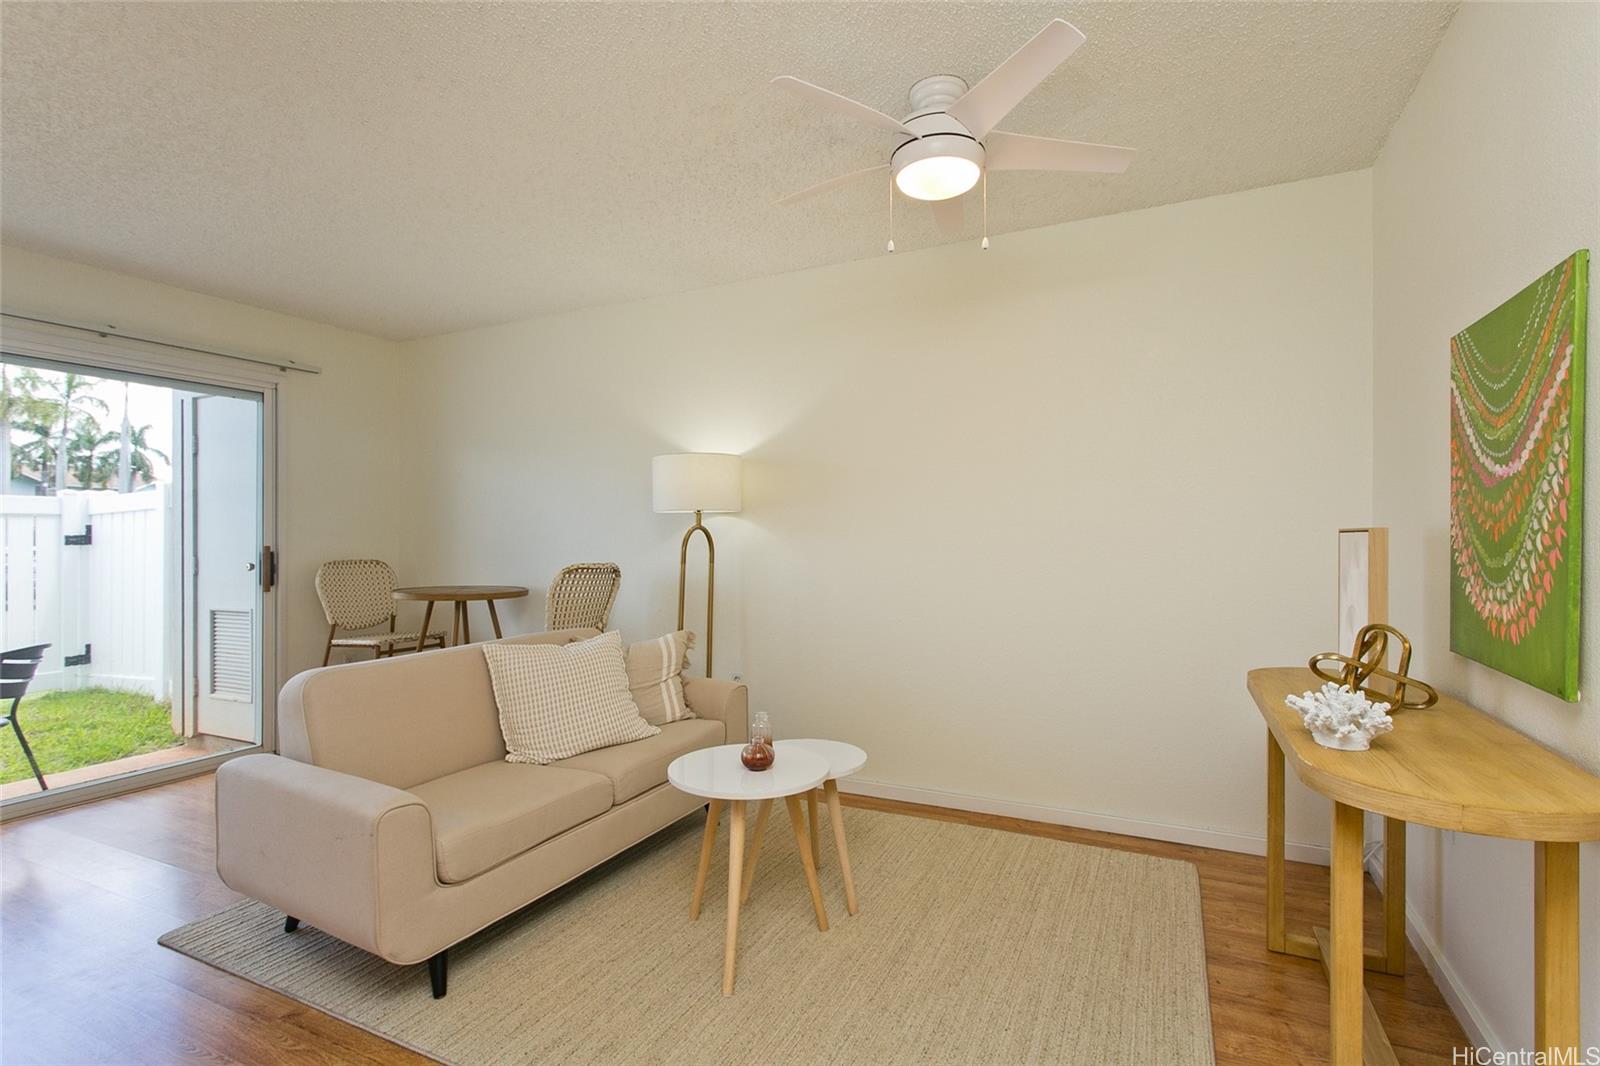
[{"x": 392, "y": 820}]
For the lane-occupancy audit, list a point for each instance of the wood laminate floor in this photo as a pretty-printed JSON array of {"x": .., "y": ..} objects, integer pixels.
[{"x": 84, "y": 893}]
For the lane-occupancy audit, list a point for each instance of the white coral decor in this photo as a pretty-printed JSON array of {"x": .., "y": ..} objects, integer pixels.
[{"x": 1342, "y": 719}]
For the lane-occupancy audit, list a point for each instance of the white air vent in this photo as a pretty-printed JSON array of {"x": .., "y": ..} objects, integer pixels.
[{"x": 232, "y": 655}]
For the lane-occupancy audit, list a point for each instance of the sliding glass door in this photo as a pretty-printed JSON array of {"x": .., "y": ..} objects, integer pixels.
[{"x": 135, "y": 559}]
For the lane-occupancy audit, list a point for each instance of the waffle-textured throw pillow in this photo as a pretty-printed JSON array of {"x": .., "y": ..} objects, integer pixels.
[
  {"x": 655, "y": 677},
  {"x": 561, "y": 700}
]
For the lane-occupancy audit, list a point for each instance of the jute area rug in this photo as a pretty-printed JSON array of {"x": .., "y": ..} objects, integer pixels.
[{"x": 972, "y": 946}]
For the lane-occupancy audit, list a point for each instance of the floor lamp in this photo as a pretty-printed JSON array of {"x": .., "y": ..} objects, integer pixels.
[{"x": 696, "y": 483}]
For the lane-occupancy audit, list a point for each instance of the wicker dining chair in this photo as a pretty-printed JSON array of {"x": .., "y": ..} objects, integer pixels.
[
  {"x": 358, "y": 594},
  {"x": 581, "y": 596},
  {"x": 17, "y": 668}
]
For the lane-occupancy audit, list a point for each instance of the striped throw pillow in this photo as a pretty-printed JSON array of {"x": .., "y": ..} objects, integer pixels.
[
  {"x": 655, "y": 677},
  {"x": 558, "y": 700}
]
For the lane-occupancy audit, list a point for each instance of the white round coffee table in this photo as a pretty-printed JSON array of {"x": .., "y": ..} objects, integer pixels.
[
  {"x": 719, "y": 776},
  {"x": 843, "y": 760}
]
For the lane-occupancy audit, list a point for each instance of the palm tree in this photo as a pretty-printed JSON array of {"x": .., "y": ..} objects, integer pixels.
[
  {"x": 37, "y": 451},
  {"x": 19, "y": 403},
  {"x": 125, "y": 446},
  {"x": 58, "y": 414},
  {"x": 71, "y": 401},
  {"x": 82, "y": 447},
  {"x": 138, "y": 451}
]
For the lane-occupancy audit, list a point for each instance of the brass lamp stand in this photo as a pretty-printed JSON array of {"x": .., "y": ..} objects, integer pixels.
[
  {"x": 711, "y": 579},
  {"x": 697, "y": 483}
]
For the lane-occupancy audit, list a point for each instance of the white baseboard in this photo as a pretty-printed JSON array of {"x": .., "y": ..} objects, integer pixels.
[
  {"x": 1107, "y": 823},
  {"x": 1451, "y": 987}
]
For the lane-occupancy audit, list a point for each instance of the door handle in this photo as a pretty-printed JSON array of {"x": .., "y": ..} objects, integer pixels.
[
  {"x": 249, "y": 566},
  {"x": 269, "y": 568}
]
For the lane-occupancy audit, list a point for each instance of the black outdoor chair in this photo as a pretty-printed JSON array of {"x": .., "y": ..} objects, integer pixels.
[{"x": 17, "y": 668}]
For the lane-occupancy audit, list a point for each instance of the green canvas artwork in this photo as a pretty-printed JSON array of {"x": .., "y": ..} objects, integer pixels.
[{"x": 1516, "y": 481}]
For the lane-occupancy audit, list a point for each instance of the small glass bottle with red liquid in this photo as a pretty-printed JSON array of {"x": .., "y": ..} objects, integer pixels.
[{"x": 759, "y": 753}]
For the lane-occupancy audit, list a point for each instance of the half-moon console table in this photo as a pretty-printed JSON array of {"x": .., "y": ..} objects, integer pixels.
[{"x": 1450, "y": 767}]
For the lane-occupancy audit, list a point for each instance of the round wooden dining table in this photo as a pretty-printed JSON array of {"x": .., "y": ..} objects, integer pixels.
[{"x": 460, "y": 595}]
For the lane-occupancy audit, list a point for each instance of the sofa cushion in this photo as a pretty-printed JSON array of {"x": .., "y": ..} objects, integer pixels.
[
  {"x": 487, "y": 814},
  {"x": 558, "y": 701},
  {"x": 636, "y": 768},
  {"x": 655, "y": 677}
]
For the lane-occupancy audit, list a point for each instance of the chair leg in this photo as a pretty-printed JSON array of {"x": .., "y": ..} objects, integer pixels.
[
  {"x": 290, "y": 923},
  {"x": 27, "y": 751},
  {"x": 438, "y": 971},
  {"x": 327, "y": 652}
]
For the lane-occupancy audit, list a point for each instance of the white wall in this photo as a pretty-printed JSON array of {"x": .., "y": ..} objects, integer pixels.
[
  {"x": 1017, "y": 522},
  {"x": 1490, "y": 177},
  {"x": 343, "y": 483}
]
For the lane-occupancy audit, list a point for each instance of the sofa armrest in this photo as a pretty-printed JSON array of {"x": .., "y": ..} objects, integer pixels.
[
  {"x": 339, "y": 852},
  {"x": 726, "y": 701}
]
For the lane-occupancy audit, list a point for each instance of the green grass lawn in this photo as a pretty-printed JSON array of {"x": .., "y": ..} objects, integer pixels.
[{"x": 71, "y": 729}]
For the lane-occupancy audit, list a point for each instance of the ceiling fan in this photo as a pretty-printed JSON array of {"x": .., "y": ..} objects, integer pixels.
[{"x": 948, "y": 141}]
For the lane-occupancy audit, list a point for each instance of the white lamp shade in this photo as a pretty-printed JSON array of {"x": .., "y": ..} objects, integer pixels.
[{"x": 696, "y": 481}]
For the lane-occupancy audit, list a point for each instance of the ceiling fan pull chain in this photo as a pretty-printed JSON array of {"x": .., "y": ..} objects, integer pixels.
[
  {"x": 985, "y": 244},
  {"x": 891, "y": 211}
]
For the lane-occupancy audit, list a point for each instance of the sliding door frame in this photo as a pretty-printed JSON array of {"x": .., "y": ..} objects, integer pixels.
[{"x": 55, "y": 347}]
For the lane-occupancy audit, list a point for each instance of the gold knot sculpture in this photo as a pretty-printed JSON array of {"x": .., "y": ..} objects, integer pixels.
[{"x": 1366, "y": 662}]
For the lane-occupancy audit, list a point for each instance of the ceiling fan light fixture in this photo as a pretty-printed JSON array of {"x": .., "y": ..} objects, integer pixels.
[
  {"x": 938, "y": 164},
  {"x": 938, "y": 177}
]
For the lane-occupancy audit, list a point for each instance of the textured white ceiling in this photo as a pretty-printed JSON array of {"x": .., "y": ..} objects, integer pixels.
[{"x": 410, "y": 169}]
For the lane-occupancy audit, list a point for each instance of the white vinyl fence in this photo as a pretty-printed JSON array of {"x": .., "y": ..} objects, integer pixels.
[{"x": 86, "y": 573}]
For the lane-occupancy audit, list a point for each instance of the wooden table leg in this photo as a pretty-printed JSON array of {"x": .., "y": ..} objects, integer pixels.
[
  {"x": 1555, "y": 948},
  {"x": 816, "y": 836},
  {"x": 466, "y": 624},
  {"x": 1275, "y": 846},
  {"x": 494, "y": 619},
  {"x": 1346, "y": 967},
  {"x": 713, "y": 812},
  {"x": 455, "y": 624},
  {"x": 427, "y": 617},
  {"x": 1394, "y": 896},
  {"x": 1375, "y": 1047},
  {"x": 830, "y": 789},
  {"x": 735, "y": 876},
  {"x": 763, "y": 812},
  {"x": 797, "y": 820}
]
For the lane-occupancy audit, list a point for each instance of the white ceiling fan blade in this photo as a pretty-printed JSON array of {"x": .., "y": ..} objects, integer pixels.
[
  {"x": 831, "y": 183},
  {"x": 842, "y": 105},
  {"x": 989, "y": 101},
  {"x": 950, "y": 215},
  {"x": 1014, "y": 151}
]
